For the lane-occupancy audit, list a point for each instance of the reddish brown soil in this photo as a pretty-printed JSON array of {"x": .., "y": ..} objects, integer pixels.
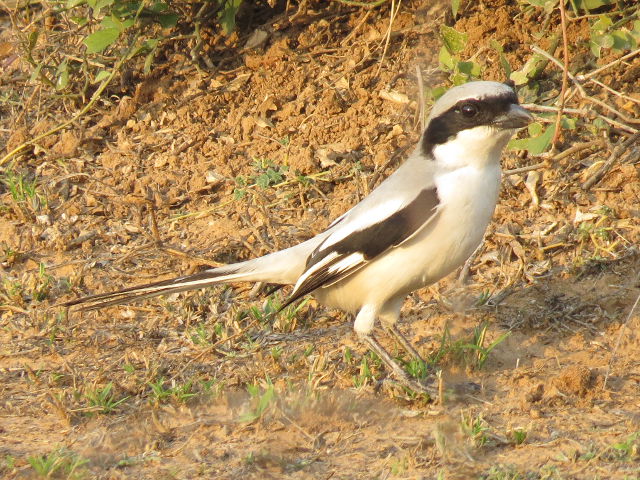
[{"x": 310, "y": 98}]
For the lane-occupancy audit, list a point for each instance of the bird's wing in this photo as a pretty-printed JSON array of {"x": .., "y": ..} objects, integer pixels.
[{"x": 360, "y": 238}]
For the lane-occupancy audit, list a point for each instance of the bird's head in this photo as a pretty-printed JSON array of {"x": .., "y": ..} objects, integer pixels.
[{"x": 478, "y": 118}]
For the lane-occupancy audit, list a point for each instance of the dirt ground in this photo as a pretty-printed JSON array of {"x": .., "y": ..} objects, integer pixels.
[{"x": 162, "y": 179}]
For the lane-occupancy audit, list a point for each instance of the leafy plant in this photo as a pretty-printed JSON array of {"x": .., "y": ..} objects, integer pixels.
[
  {"x": 8, "y": 464},
  {"x": 261, "y": 400},
  {"x": 43, "y": 284},
  {"x": 417, "y": 368},
  {"x": 534, "y": 66},
  {"x": 61, "y": 462},
  {"x": 518, "y": 436},
  {"x": 118, "y": 16},
  {"x": 629, "y": 449},
  {"x": 13, "y": 289},
  {"x": 477, "y": 344},
  {"x": 24, "y": 190},
  {"x": 270, "y": 312},
  {"x": 365, "y": 375},
  {"x": 472, "y": 352},
  {"x": 180, "y": 393},
  {"x": 460, "y": 71},
  {"x": 501, "y": 472},
  {"x": 103, "y": 400},
  {"x": 269, "y": 175},
  {"x": 200, "y": 335},
  {"x": 605, "y": 33},
  {"x": 475, "y": 428},
  {"x": 113, "y": 32},
  {"x": 613, "y": 28},
  {"x": 596, "y": 234}
]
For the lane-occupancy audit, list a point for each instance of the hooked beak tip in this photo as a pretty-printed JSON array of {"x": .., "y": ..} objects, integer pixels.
[{"x": 516, "y": 117}]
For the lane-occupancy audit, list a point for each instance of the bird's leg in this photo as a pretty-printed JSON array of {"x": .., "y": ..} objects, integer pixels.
[
  {"x": 406, "y": 344},
  {"x": 389, "y": 316},
  {"x": 364, "y": 325},
  {"x": 402, "y": 376}
]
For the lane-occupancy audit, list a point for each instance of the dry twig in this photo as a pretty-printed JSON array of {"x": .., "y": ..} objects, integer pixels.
[
  {"x": 395, "y": 8},
  {"x": 615, "y": 154},
  {"x": 595, "y": 72},
  {"x": 589, "y": 98}
]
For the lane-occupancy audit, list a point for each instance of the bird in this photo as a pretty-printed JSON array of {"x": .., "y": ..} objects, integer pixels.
[{"x": 417, "y": 226}]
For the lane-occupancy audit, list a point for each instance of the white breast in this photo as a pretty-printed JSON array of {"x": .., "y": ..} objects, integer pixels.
[{"x": 468, "y": 197}]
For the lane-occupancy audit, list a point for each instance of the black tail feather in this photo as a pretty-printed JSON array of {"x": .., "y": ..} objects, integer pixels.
[{"x": 164, "y": 287}]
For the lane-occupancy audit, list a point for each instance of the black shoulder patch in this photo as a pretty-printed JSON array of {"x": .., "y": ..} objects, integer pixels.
[
  {"x": 369, "y": 242},
  {"x": 389, "y": 232}
]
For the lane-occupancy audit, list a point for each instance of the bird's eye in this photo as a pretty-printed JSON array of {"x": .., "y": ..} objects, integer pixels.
[{"x": 469, "y": 110}]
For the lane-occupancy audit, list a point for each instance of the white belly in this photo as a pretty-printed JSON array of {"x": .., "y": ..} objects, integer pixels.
[{"x": 468, "y": 197}]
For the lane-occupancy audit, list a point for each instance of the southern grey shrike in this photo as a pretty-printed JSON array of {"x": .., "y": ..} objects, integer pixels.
[{"x": 416, "y": 227}]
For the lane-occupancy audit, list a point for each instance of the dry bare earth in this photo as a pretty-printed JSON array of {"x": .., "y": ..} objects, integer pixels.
[{"x": 310, "y": 98}]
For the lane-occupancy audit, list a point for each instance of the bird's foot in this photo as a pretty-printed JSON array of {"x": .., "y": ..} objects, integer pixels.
[
  {"x": 401, "y": 377},
  {"x": 409, "y": 388}
]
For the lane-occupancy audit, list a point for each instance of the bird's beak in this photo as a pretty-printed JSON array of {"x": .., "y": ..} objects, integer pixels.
[{"x": 516, "y": 117}]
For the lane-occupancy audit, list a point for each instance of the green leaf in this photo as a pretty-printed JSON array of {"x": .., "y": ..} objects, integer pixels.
[
  {"x": 600, "y": 124},
  {"x": 588, "y": 5},
  {"x": 97, "y": 5},
  {"x": 520, "y": 77},
  {"x": 622, "y": 40},
  {"x": 598, "y": 42},
  {"x": 568, "y": 123},
  {"x": 454, "y": 41},
  {"x": 433, "y": 94},
  {"x": 168, "y": 20},
  {"x": 159, "y": 7},
  {"x": 602, "y": 24},
  {"x": 455, "y": 6},
  {"x": 445, "y": 59},
  {"x": 36, "y": 73},
  {"x": 62, "y": 79},
  {"x": 151, "y": 45},
  {"x": 635, "y": 33},
  {"x": 74, "y": 3},
  {"x": 262, "y": 181},
  {"x": 459, "y": 79},
  {"x": 534, "y": 145},
  {"x": 535, "y": 129},
  {"x": 472, "y": 69},
  {"x": 80, "y": 21},
  {"x": 547, "y": 5},
  {"x": 504, "y": 63},
  {"x": 604, "y": 41},
  {"x": 228, "y": 15},
  {"x": 33, "y": 39},
  {"x": 114, "y": 22},
  {"x": 101, "y": 39},
  {"x": 102, "y": 75}
]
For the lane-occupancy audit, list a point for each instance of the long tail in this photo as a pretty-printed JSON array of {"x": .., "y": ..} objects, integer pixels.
[
  {"x": 202, "y": 279},
  {"x": 283, "y": 267}
]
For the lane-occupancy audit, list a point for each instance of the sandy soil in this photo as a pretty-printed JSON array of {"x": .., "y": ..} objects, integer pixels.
[{"x": 159, "y": 181}]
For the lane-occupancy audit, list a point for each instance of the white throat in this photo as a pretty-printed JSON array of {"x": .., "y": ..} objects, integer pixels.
[{"x": 478, "y": 147}]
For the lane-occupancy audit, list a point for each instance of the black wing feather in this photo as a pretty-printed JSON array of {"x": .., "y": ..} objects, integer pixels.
[{"x": 370, "y": 242}]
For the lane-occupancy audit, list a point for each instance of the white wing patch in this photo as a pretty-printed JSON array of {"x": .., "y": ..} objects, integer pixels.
[
  {"x": 325, "y": 269},
  {"x": 373, "y": 215}
]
